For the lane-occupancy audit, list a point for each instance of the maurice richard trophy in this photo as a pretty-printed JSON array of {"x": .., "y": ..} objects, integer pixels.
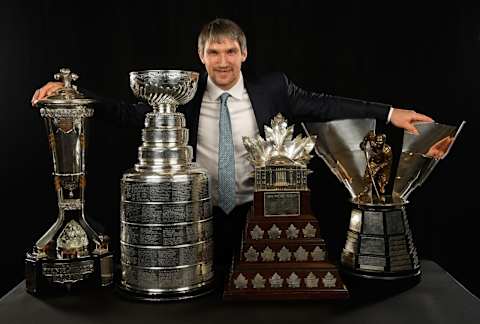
[
  {"x": 282, "y": 254},
  {"x": 70, "y": 254},
  {"x": 379, "y": 247},
  {"x": 166, "y": 228}
]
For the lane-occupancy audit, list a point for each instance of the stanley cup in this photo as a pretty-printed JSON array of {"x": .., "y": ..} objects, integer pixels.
[
  {"x": 166, "y": 213},
  {"x": 379, "y": 243}
]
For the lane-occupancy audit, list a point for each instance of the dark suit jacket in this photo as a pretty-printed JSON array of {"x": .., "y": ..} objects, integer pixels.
[{"x": 269, "y": 95}]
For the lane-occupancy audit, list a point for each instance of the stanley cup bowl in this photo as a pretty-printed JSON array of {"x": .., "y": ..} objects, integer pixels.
[{"x": 164, "y": 88}]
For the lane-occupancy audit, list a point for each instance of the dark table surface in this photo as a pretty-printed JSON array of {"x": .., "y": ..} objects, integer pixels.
[{"x": 438, "y": 298}]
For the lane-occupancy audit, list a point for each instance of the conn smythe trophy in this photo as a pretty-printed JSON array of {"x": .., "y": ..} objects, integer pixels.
[
  {"x": 282, "y": 254},
  {"x": 166, "y": 214},
  {"x": 70, "y": 253},
  {"x": 379, "y": 243}
]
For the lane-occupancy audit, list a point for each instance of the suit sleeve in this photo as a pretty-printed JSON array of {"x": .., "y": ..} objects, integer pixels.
[
  {"x": 312, "y": 106},
  {"x": 119, "y": 112}
]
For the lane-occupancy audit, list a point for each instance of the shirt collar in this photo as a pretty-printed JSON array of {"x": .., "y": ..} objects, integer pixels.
[{"x": 214, "y": 92}]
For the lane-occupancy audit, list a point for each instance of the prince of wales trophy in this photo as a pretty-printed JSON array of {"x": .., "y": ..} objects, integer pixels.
[
  {"x": 166, "y": 228},
  {"x": 282, "y": 255},
  {"x": 70, "y": 254},
  {"x": 379, "y": 247}
]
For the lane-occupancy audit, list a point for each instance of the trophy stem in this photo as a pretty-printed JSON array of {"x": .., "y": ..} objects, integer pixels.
[{"x": 164, "y": 108}]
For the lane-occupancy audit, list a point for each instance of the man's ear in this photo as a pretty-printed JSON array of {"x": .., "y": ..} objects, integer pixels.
[
  {"x": 244, "y": 55},
  {"x": 200, "y": 55}
]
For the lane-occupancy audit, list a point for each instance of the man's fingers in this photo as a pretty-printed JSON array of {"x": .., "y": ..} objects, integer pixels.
[
  {"x": 35, "y": 97},
  {"x": 422, "y": 117},
  {"x": 412, "y": 130},
  {"x": 43, "y": 92}
]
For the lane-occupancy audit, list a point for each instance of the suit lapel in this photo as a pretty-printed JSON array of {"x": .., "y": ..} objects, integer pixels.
[{"x": 192, "y": 113}]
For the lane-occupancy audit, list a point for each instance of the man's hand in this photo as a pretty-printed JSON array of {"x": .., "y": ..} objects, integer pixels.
[
  {"x": 46, "y": 91},
  {"x": 406, "y": 118}
]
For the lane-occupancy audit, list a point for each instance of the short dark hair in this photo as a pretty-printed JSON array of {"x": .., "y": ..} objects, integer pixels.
[{"x": 220, "y": 28}]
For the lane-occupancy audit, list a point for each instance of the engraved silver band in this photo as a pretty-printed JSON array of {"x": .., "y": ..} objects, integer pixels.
[
  {"x": 166, "y": 256},
  {"x": 164, "y": 203},
  {"x": 166, "y": 235},
  {"x": 163, "y": 280},
  {"x": 167, "y": 225}
]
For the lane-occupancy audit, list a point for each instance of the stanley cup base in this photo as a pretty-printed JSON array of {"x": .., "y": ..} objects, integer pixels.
[{"x": 192, "y": 292}]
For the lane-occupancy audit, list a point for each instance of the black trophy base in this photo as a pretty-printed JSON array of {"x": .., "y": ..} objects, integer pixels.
[
  {"x": 137, "y": 295},
  {"x": 370, "y": 285},
  {"x": 60, "y": 277}
]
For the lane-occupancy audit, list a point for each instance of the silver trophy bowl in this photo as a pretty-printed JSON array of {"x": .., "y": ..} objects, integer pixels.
[
  {"x": 166, "y": 224},
  {"x": 379, "y": 242},
  {"x": 164, "y": 89}
]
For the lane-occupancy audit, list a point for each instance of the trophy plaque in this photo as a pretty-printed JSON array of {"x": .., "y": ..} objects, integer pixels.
[
  {"x": 282, "y": 255},
  {"x": 70, "y": 254},
  {"x": 166, "y": 227},
  {"x": 379, "y": 244}
]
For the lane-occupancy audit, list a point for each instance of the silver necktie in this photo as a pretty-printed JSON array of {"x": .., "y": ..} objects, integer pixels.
[{"x": 226, "y": 159}]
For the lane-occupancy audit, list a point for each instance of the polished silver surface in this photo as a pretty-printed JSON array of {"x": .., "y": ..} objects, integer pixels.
[
  {"x": 338, "y": 145},
  {"x": 166, "y": 225},
  {"x": 166, "y": 234},
  {"x": 164, "y": 89},
  {"x": 279, "y": 147},
  {"x": 421, "y": 153},
  {"x": 158, "y": 282},
  {"x": 66, "y": 252},
  {"x": 280, "y": 160},
  {"x": 167, "y": 256},
  {"x": 379, "y": 241}
]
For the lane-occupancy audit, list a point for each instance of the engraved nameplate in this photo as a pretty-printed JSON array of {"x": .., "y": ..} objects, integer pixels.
[
  {"x": 281, "y": 204},
  {"x": 394, "y": 221},
  {"x": 64, "y": 272},
  {"x": 372, "y": 245}
]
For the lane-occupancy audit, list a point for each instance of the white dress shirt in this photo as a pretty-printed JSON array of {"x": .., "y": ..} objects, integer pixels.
[{"x": 243, "y": 123}]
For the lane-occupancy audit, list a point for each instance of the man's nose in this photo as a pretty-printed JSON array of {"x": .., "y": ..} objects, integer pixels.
[{"x": 223, "y": 59}]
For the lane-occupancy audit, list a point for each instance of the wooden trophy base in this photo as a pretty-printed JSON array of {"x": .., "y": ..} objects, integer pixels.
[{"x": 282, "y": 256}]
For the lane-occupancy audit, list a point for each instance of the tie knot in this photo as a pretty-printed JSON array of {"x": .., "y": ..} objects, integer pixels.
[{"x": 224, "y": 97}]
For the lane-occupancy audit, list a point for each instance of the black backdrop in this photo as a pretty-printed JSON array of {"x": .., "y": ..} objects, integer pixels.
[{"x": 425, "y": 58}]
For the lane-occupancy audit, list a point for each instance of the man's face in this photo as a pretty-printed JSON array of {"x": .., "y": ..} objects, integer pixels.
[
  {"x": 223, "y": 61},
  {"x": 379, "y": 141}
]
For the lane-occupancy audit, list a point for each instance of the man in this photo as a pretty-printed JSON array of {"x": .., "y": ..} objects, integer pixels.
[{"x": 251, "y": 104}]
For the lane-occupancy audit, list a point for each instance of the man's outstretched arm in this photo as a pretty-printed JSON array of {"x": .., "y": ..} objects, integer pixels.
[{"x": 119, "y": 112}]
